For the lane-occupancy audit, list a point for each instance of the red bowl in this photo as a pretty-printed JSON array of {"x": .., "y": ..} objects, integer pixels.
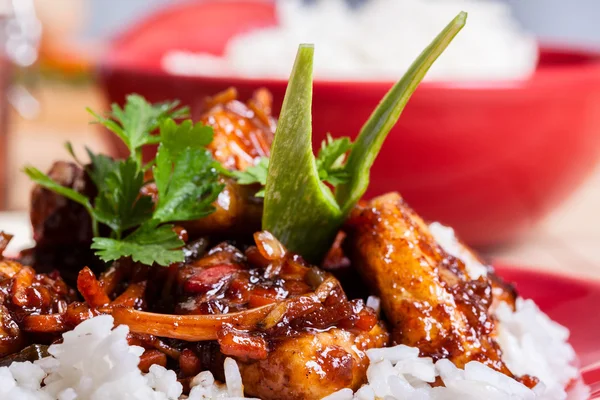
[{"x": 487, "y": 159}]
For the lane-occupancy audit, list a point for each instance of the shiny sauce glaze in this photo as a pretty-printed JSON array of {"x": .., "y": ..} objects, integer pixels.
[
  {"x": 427, "y": 295},
  {"x": 228, "y": 280},
  {"x": 243, "y": 131}
]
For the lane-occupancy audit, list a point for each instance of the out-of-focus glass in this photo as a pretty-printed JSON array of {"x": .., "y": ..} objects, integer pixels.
[
  {"x": 20, "y": 33},
  {"x": 4, "y": 74}
]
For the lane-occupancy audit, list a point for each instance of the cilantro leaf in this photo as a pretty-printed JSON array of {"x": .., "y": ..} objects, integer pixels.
[
  {"x": 119, "y": 205},
  {"x": 148, "y": 244},
  {"x": 134, "y": 123},
  {"x": 330, "y": 165},
  {"x": 254, "y": 174},
  {"x": 176, "y": 138},
  {"x": 45, "y": 181},
  {"x": 100, "y": 168},
  {"x": 331, "y": 158},
  {"x": 69, "y": 148},
  {"x": 185, "y": 174},
  {"x": 187, "y": 184}
]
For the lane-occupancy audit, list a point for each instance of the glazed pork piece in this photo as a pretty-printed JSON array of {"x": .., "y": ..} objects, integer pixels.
[
  {"x": 430, "y": 298},
  {"x": 313, "y": 365},
  {"x": 243, "y": 132},
  {"x": 62, "y": 229},
  {"x": 56, "y": 220},
  {"x": 24, "y": 296}
]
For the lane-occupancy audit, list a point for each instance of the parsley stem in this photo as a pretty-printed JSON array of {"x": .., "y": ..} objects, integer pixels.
[{"x": 95, "y": 231}]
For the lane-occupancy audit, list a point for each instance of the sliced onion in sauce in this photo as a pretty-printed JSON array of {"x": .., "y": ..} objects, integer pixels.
[
  {"x": 269, "y": 247},
  {"x": 314, "y": 277},
  {"x": 193, "y": 328}
]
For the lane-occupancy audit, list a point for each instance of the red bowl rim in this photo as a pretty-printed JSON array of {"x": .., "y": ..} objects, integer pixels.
[
  {"x": 550, "y": 76},
  {"x": 588, "y": 67}
]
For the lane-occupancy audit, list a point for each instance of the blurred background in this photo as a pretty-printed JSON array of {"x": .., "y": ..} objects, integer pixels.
[{"x": 502, "y": 142}]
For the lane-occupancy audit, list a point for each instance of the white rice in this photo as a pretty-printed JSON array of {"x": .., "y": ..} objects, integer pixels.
[
  {"x": 534, "y": 344},
  {"x": 445, "y": 237},
  {"x": 375, "y": 303},
  {"x": 95, "y": 362},
  {"x": 376, "y": 42}
]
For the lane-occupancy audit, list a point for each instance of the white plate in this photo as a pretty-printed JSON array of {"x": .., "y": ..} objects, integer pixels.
[{"x": 17, "y": 224}]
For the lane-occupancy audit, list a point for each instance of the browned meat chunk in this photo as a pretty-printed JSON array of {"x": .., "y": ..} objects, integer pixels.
[
  {"x": 24, "y": 297},
  {"x": 312, "y": 365},
  {"x": 243, "y": 132},
  {"x": 427, "y": 295},
  {"x": 55, "y": 219}
]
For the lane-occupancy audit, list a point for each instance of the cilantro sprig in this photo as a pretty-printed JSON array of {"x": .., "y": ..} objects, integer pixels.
[
  {"x": 184, "y": 172},
  {"x": 330, "y": 164},
  {"x": 331, "y": 160},
  {"x": 253, "y": 175}
]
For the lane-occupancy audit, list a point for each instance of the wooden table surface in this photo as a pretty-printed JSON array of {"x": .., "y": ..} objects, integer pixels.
[{"x": 567, "y": 241}]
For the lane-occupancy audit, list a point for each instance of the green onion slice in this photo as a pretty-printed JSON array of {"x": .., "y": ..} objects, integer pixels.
[{"x": 299, "y": 209}]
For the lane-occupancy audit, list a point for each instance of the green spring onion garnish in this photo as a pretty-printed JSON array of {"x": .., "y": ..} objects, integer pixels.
[{"x": 301, "y": 210}]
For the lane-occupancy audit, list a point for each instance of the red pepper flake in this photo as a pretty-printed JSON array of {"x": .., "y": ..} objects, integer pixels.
[
  {"x": 91, "y": 289},
  {"x": 208, "y": 278},
  {"x": 242, "y": 345},
  {"x": 151, "y": 357},
  {"x": 189, "y": 363}
]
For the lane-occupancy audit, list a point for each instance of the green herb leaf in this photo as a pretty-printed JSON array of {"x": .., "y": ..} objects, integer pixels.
[
  {"x": 385, "y": 116},
  {"x": 330, "y": 160},
  {"x": 148, "y": 244},
  {"x": 187, "y": 185},
  {"x": 100, "y": 168},
  {"x": 120, "y": 205},
  {"x": 69, "y": 148},
  {"x": 176, "y": 138},
  {"x": 134, "y": 123},
  {"x": 186, "y": 177},
  {"x": 330, "y": 165},
  {"x": 253, "y": 175},
  {"x": 45, "y": 181}
]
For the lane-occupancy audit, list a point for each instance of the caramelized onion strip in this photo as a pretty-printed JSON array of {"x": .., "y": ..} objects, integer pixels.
[
  {"x": 196, "y": 328},
  {"x": 91, "y": 289},
  {"x": 132, "y": 296},
  {"x": 193, "y": 328},
  {"x": 111, "y": 277},
  {"x": 51, "y": 323},
  {"x": 302, "y": 305}
]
